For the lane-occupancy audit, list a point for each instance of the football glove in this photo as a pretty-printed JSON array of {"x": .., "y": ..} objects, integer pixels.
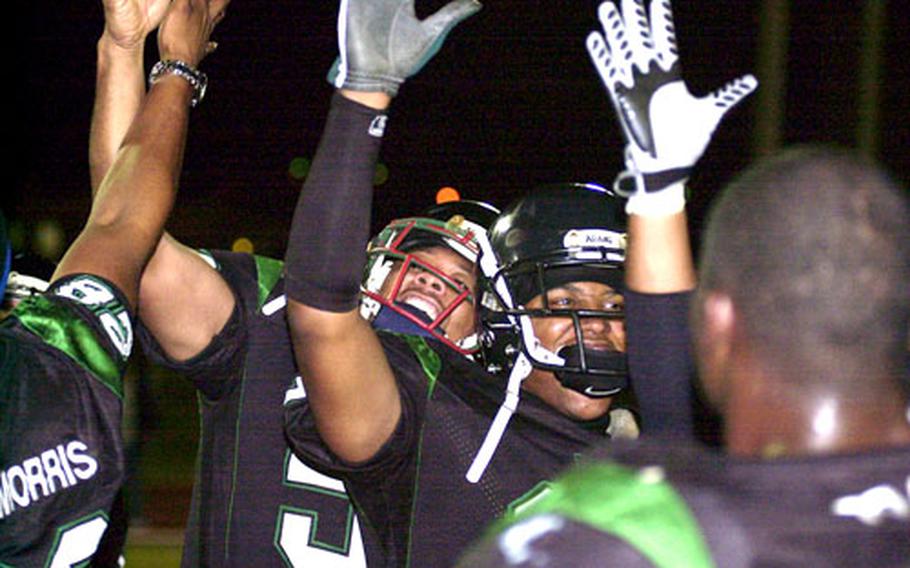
[
  {"x": 665, "y": 127},
  {"x": 382, "y": 43}
]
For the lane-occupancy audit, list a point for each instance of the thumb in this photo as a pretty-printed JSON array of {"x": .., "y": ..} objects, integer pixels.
[
  {"x": 438, "y": 26},
  {"x": 451, "y": 14},
  {"x": 732, "y": 93}
]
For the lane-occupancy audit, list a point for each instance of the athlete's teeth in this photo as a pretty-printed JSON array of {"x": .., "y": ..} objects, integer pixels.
[{"x": 424, "y": 306}]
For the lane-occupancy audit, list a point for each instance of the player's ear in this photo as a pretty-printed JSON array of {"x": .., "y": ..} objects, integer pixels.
[
  {"x": 718, "y": 316},
  {"x": 713, "y": 319}
]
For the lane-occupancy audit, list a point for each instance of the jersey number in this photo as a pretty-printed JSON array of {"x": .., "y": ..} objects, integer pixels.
[
  {"x": 76, "y": 542},
  {"x": 301, "y": 533}
]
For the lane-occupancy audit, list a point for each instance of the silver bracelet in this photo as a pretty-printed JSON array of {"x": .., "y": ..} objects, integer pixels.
[{"x": 193, "y": 76}]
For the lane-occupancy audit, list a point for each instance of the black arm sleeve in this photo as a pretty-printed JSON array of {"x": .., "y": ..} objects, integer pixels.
[
  {"x": 326, "y": 247},
  {"x": 660, "y": 361}
]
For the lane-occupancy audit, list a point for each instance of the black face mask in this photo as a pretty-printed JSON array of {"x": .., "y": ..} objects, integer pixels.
[{"x": 610, "y": 371}]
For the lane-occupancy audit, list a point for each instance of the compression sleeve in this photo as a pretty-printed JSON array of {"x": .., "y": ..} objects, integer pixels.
[
  {"x": 330, "y": 229},
  {"x": 660, "y": 361}
]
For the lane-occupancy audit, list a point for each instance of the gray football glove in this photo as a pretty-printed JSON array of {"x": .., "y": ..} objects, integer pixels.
[
  {"x": 382, "y": 43},
  {"x": 665, "y": 127}
]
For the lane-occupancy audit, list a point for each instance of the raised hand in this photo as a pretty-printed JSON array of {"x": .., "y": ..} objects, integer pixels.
[
  {"x": 666, "y": 128},
  {"x": 382, "y": 43},
  {"x": 128, "y": 22},
  {"x": 186, "y": 27}
]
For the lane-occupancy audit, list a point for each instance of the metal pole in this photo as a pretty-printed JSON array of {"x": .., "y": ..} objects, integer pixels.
[
  {"x": 772, "y": 75},
  {"x": 870, "y": 66}
]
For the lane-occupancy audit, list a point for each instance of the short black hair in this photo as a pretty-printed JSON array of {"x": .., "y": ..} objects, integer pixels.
[{"x": 813, "y": 247}]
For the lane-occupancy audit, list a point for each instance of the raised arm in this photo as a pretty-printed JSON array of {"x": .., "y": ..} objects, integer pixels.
[
  {"x": 350, "y": 387},
  {"x": 666, "y": 130},
  {"x": 120, "y": 78},
  {"x": 137, "y": 193},
  {"x": 183, "y": 301}
]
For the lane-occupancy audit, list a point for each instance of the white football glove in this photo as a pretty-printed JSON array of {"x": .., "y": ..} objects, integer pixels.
[
  {"x": 666, "y": 128},
  {"x": 382, "y": 43}
]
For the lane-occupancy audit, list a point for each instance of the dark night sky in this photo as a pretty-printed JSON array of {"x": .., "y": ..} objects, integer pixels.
[{"x": 510, "y": 101}]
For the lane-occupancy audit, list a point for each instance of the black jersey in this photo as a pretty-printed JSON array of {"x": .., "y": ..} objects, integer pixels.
[
  {"x": 414, "y": 492},
  {"x": 667, "y": 503},
  {"x": 254, "y": 503},
  {"x": 62, "y": 359},
  {"x": 678, "y": 506}
]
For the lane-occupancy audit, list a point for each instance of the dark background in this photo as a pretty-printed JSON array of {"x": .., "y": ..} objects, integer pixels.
[{"x": 509, "y": 102}]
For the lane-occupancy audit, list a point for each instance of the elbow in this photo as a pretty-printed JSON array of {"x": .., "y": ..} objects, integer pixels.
[{"x": 311, "y": 324}]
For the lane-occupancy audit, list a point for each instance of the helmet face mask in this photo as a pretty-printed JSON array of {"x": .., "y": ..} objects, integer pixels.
[
  {"x": 554, "y": 237},
  {"x": 593, "y": 372},
  {"x": 396, "y": 252}
]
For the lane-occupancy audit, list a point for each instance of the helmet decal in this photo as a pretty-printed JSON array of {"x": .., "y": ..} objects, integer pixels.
[{"x": 577, "y": 238}]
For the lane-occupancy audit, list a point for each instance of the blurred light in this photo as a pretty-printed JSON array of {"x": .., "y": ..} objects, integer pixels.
[
  {"x": 18, "y": 234},
  {"x": 382, "y": 174},
  {"x": 48, "y": 239},
  {"x": 447, "y": 194},
  {"x": 243, "y": 244},
  {"x": 299, "y": 168}
]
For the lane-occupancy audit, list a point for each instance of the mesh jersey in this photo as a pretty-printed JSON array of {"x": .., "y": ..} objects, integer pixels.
[
  {"x": 253, "y": 503},
  {"x": 62, "y": 358},
  {"x": 700, "y": 509},
  {"x": 414, "y": 492}
]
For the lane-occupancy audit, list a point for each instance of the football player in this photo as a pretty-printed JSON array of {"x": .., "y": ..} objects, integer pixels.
[
  {"x": 401, "y": 417},
  {"x": 64, "y": 350},
  {"x": 217, "y": 318},
  {"x": 809, "y": 382}
]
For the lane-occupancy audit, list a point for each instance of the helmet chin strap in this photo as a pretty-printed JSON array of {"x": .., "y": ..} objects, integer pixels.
[
  {"x": 520, "y": 371},
  {"x": 613, "y": 375},
  {"x": 21, "y": 286}
]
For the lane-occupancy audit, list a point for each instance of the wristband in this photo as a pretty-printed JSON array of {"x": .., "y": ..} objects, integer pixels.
[
  {"x": 196, "y": 78},
  {"x": 667, "y": 201}
]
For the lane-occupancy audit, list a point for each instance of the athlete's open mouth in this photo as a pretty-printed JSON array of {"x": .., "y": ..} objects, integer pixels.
[{"x": 416, "y": 300}]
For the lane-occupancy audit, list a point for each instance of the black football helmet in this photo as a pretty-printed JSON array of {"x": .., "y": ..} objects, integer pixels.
[
  {"x": 555, "y": 235},
  {"x": 29, "y": 276},
  {"x": 23, "y": 275},
  {"x": 457, "y": 225}
]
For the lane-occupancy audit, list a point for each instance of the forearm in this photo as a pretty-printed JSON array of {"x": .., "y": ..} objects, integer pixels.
[
  {"x": 133, "y": 201},
  {"x": 136, "y": 195},
  {"x": 659, "y": 255},
  {"x": 147, "y": 166},
  {"x": 330, "y": 228},
  {"x": 119, "y": 90},
  {"x": 660, "y": 362}
]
